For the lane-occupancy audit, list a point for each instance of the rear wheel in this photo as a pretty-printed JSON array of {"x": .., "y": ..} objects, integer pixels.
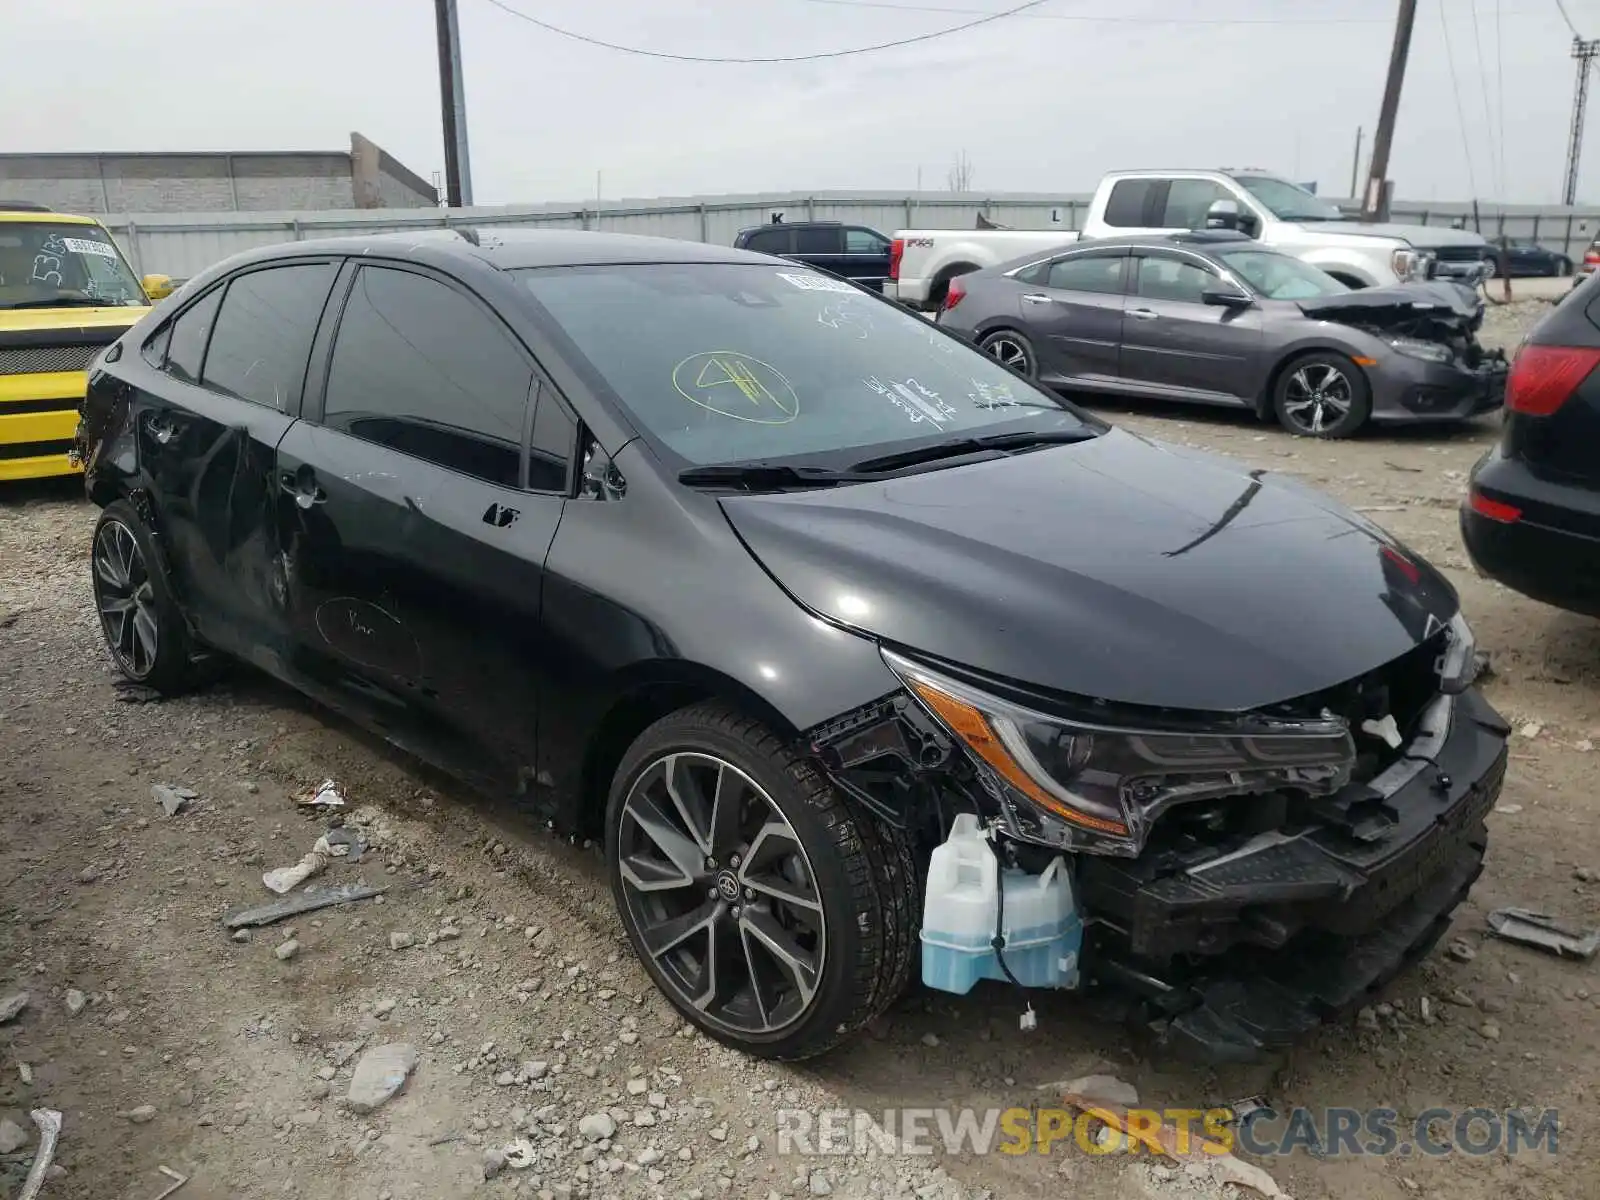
[
  {"x": 1322, "y": 395},
  {"x": 146, "y": 634},
  {"x": 1012, "y": 350},
  {"x": 771, "y": 915}
]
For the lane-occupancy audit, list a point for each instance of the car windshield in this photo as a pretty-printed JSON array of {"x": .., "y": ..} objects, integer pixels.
[
  {"x": 1288, "y": 201},
  {"x": 734, "y": 363},
  {"x": 42, "y": 262},
  {"x": 1280, "y": 277}
]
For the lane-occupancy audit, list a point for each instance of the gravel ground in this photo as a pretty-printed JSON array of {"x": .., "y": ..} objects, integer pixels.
[{"x": 495, "y": 955}]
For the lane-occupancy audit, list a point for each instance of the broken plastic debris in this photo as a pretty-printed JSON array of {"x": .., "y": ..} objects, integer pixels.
[
  {"x": 49, "y": 1122},
  {"x": 1544, "y": 932},
  {"x": 173, "y": 800},
  {"x": 345, "y": 843},
  {"x": 520, "y": 1154},
  {"x": 1385, "y": 729},
  {"x": 325, "y": 795},
  {"x": 307, "y": 901},
  {"x": 177, "y": 1182}
]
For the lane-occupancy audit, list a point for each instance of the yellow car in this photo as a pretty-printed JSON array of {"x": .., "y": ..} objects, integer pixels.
[{"x": 66, "y": 292}]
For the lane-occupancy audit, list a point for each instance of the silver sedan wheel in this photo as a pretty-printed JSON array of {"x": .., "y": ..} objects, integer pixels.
[
  {"x": 1317, "y": 398},
  {"x": 125, "y": 599},
  {"x": 721, "y": 894},
  {"x": 1011, "y": 353}
]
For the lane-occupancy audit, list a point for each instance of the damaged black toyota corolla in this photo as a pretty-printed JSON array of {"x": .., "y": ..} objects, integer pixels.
[{"x": 831, "y": 628}]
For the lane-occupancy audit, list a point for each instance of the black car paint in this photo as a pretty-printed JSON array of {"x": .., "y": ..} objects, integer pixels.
[
  {"x": 523, "y": 639},
  {"x": 1230, "y": 356},
  {"x": 1546, "y": 467}
]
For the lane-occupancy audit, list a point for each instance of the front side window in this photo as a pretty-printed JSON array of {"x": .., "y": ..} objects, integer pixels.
[
  {"x": 187, "y": 344},
  {"x": 1088, "y": 273},
  {"x": 1288, "y": 201},
  {"x": 864, "y": 241},
  {"x": 1188, "y": 201},
  {"x": 1173, "y": 279},
  {"x": 1279, "y": 276},
  {"x": 50, "y": 264},
  {"x": 724, "y": 362},
  {"x": 420, "y": 368},
  {"x": 263, "y": 334}
]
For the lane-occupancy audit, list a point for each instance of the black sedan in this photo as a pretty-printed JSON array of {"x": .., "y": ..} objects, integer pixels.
[
  {"x": 762, "y": 582},
  {"x": 1531, "y": 518},
  {"x": 1212, "y": 317},
  {"x": 1525, "y": 257}
]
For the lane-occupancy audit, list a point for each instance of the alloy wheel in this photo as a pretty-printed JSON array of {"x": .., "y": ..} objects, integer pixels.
[
  {"x": 1318, "y": 397},
  {"x": 125, "y": 598},
  {"x": 721, "y": 893},
  {"x": 1011, "y": 353}
]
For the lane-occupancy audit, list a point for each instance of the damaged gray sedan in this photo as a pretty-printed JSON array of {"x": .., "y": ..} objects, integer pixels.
[{"x": 1213, "y": 317}]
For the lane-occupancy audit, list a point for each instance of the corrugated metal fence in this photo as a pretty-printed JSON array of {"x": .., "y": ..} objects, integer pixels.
[{"x": 183, "y": 244}]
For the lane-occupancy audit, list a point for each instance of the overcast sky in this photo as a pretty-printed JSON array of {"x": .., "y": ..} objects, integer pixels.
[{"x": 1038, "y": 102}]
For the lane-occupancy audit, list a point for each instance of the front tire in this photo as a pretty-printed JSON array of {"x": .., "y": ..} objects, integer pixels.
[
  {"x": 139, "y": 617},
  {"x": 1011, "y": 349},
  {"x": 768, "y": 913},
  {"x": 1322, "y": 395}
]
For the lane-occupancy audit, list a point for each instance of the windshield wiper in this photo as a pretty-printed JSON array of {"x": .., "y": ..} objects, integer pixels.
[
  {"x": 67, "y": 302},
  {"x": 766, "y": 475},
  {"x": 960, "y": 447}
]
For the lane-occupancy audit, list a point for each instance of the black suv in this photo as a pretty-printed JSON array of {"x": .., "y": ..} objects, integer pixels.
[
  {"x": 766, "y": 583},
  {"x": 849, "y": 251}
]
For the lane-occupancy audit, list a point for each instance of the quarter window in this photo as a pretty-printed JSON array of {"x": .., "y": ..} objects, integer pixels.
[
  {"x": 263, "y": 334},
  {"x": 554, "y": 436},
  {"x": 419, "y": 367},
  {"x": 187, "y": 345},
  {"x": 1088, "y": 273},
  {"x": 769, "y": 241}
]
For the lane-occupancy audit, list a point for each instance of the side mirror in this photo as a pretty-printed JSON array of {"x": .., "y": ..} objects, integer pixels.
[
  {"x": 157, "y": 287},
  {"x": 1222, "y": 296},
  {"x": 1224, "y": 214}
]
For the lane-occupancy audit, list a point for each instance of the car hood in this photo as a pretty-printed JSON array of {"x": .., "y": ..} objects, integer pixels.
[
  {"x": 1118, "y": 569},
  {"x": 1423, "y": 237},
  {"x": 1398, "y": 305}
]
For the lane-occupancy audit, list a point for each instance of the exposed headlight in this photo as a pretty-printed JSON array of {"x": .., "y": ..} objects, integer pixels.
[
  {"x": 1410, "y": 264},
  {"x": 1416, "y": 348},
  {"x": 1458, "y": 665},
  {"x": 1104, "y": 786}
]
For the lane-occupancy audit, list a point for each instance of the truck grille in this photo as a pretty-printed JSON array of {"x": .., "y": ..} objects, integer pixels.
[
  {"x": 36, "y": 360},
  {"x": 1461, "y": 254}
]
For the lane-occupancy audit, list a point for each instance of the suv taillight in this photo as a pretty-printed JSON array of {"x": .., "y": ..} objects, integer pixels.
[
  {"x": 1543, "y": 377},
  {"x": 954, "y": 294},
  {"x": 897, "y": 251},
  {"x": 1591, "y": 256}
]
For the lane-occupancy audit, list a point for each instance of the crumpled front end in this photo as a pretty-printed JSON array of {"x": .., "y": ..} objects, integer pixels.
[{"x": 1235, "y": 886}]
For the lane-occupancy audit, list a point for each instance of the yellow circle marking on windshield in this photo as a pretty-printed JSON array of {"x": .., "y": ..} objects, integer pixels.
[{"x": 733, "y": 384}]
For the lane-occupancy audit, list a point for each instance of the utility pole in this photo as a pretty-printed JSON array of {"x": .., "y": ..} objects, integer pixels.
[
  {"x": 1375, "y": 204},
  {"x": 453, "y": 106},
  {"x": 1355, "y": 165},
  {"x": 1585, "y": 53}
]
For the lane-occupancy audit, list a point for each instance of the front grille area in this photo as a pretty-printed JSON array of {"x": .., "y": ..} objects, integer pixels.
[
  {"x": 36, "y": 449},
  {"x": 36, "y": 360},
  {"x": 1461, "y": 254}
]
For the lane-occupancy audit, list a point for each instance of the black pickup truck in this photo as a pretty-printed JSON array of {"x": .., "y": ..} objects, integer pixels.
[{"x": 852, "y": 251}]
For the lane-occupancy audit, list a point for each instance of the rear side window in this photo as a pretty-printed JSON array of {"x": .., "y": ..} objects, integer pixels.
[
  {"x": 187, "y": 345},
  {"x": 1126, "y": 206},
  {"x": 819, "y": 240},
  {"x": 769, "y": 241},
  {"x": 419, "y": 367},
  {"x": 263, "y": 334},
  {"x": 1088, "y": 273}
]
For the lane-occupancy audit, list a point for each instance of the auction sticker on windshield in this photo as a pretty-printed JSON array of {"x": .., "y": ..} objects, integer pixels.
[
  {"x": 817, "y": 283},
  {"x": 87, "y": 246}
]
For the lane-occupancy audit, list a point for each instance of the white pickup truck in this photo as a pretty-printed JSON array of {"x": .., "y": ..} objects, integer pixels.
[{"x": 1278, "y": 213}]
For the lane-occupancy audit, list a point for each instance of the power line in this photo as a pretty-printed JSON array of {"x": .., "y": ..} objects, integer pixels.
[
  {"x": 1496, "y": 148},
  {"x": 1455, "y": 87},
  {"x": 1567, "y": 17},
  {"x": 1500, "y": 94},
  {"x": 1139, "y": 20},
  {"x": 986, "y": 19}
]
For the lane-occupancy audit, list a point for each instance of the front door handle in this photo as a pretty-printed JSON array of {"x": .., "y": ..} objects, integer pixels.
[
  {"x": 1036, "y": 298},
  {"x": 160, "y": 426},
  {"x": 302, "y": 485},
  {"x": 1143, "y": 314}
]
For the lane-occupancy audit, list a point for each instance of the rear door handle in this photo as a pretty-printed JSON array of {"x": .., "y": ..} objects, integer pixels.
[
  {"x": 1143, "y": 314},
  {"x": 1036, "y": 298},
  {"x": 302, "y": 485}
]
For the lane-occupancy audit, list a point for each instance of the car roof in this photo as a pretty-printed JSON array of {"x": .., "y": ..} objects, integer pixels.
[
  {"x": 514, "y": 249},
  {"x": 1198, "y": 240}
]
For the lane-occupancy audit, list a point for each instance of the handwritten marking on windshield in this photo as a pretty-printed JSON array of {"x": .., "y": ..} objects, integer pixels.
[
  {"x": 992, "y": 395},
  {"x": 845, "y": 316},
  {"x": 733, "y": 384},
  {"x": 917, "y": 402}
]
